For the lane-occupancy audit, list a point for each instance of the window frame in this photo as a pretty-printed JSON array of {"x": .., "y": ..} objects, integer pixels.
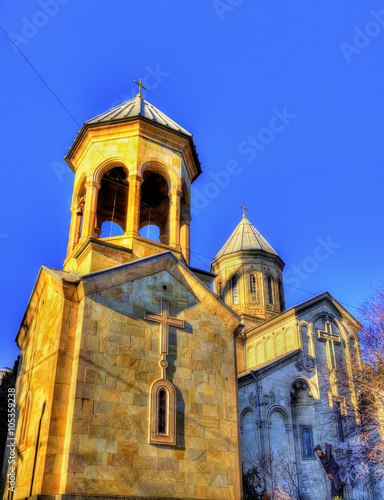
[{"x": 168, "y": 437}]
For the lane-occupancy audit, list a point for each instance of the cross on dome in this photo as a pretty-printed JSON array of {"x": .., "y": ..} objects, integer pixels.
[
  {"x": 140, "y": 86},
  {"x": 244, "y": 209}
]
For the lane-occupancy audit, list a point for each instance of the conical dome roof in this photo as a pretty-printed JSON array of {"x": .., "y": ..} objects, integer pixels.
[
  {"x": 245, "y": 237},
  {"x": 137, "y": 107}
]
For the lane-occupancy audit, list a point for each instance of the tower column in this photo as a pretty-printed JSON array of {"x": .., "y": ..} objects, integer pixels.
[
  {"x": 174, "y": 236},
  {"x": 75, "y": 227},
  {"x": 89, "y": 223},
  {"x": 133, "y": 206},
  {"x": 184, "y": 238}
]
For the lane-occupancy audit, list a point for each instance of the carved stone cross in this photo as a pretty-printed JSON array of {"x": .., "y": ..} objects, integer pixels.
[
  {"x": 165, "y": 321},
  {"x": 328, "y": 334}
]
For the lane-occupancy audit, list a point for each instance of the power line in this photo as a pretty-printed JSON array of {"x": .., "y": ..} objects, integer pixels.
[
  {"x": 41, "y": 78},
  {"x": 77, "y": 123}
]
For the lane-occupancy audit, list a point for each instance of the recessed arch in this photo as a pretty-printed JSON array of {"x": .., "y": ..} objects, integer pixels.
[
  {"x": 108, "y": 164},
  {"x": 155, "y": 166},
  {"x": 313, "y": 389},
  {"x": 155, "y": 201},
  {"x": 112, "y": 197}
]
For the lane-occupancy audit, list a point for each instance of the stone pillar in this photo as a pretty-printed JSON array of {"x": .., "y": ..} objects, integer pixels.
[
  {"x": 74, "y": 229},
  {"x": 184, "y": 239},
  {"x": 174, "y": 230},
  {"x": 133, "y": 205},
  {"x": 89, "y": 222}
]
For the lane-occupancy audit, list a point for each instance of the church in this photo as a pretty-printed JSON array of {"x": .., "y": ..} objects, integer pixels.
[{"x": 143, "y": 377}]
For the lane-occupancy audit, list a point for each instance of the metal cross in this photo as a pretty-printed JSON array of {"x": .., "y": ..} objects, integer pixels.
[
  {"x": 165, "y": 321},
  {"x": 140, "y": 86},
  {"x": 244, "y": 209}
]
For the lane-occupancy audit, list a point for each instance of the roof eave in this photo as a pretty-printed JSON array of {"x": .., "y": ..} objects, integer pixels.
[
  {"x": 250, "y": 253},
  {"x": 88, "y": 125}
]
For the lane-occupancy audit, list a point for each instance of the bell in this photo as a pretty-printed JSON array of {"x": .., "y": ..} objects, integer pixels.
[{"x": 79, "y": 210}]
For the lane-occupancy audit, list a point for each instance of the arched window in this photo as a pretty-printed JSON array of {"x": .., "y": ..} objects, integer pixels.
[
  {"x": 220, "y": 290},
  {"x": 252, "y": 287},
  {"x": 163, "y": 413},
  {"x": 235, "y": 291},
  {"x": 269, "y": 282}
]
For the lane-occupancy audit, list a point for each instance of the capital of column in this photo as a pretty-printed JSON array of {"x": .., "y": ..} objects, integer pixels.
[
  {"x": 135, "y": 177},
  {"x": 176, "y": 191},
  {"x": 92, "y": 183}
]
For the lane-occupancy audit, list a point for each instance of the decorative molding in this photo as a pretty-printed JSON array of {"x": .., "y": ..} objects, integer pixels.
[
  {"x": 166, "y": 436},
  {"x": 305, "y": 362}
]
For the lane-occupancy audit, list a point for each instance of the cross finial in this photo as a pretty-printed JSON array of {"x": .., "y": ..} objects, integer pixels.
[
  {"x": 244, "y": 209},
  {"x": 140, "y": 86}
]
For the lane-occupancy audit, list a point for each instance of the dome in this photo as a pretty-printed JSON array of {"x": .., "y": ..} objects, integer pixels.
[
  {"x": 245, "y": 237},
  {"x": 134, "y": 108}
]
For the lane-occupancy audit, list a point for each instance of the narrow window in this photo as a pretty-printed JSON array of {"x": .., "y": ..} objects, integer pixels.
[
  {"x": 162, "y": 429},
  {"x": 269, "y": 281},
  {"x": 307, "y": 442},
  {"x": 252, "y": 284},
  {"x": 162, "y": 407},
  {"x": 235, "y": 293},
  {"x": 220, "y": 290},
  {"x": 281, "y": 296}
]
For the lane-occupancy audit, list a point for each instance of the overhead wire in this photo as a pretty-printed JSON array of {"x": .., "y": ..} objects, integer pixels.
[{"x": 141, "y": 204}]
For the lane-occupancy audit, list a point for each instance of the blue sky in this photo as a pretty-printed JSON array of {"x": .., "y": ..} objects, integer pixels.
[{"x": 285, "y": 102}]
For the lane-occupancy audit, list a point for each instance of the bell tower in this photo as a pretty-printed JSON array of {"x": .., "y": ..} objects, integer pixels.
[{"x": 133, "y": 167}]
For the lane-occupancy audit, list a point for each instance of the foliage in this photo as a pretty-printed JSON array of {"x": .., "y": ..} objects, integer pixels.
[
  {"x": 280, "y": 476},
  {"x": 358, "y": 423}
]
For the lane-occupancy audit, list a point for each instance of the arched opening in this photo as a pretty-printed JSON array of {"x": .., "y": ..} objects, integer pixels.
[
  {"x": 155, "y": 204},
  {"x": 110, "y": 228},
  {"x": 112, "y": 202},
  {"x": 150, "y": 232}
]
